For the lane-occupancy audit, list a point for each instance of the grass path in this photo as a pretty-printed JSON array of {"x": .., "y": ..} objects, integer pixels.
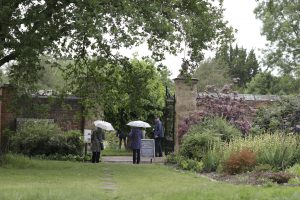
[{"x": 53, "y": 180}]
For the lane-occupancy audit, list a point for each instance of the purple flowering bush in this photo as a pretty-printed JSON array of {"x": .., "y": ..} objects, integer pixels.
[{"x": 229, "y": 107}]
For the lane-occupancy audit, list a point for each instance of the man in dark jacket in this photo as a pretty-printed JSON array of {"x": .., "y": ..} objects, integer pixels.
[
  {"x": 122, "y": 136},
  {"x": 96, "y": 140},
  {"x": 158, "y": 135},
  {"x": 136, "y": 137}
]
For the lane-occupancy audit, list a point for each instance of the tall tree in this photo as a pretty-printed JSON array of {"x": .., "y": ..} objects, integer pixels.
[
  {"x": 137, "y": 93},
  {"x": 242, "y": 66},
  {"x": 83, "y": 29},
  {"x": 281, "y": 25}
]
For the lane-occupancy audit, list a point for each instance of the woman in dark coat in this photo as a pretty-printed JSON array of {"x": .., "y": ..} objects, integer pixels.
[
  {"x": 96, "y": 140},
  {"x": 136, "y": 137}
]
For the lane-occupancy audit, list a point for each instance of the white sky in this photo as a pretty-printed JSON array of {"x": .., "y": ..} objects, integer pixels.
[{"x": 239, "y": 14}]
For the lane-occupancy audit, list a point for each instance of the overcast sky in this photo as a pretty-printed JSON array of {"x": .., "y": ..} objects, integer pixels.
[{"x": 239, "y": 14}]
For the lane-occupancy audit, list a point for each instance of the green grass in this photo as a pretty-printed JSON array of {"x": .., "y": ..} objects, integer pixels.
[{"x": 40, "y": 180}]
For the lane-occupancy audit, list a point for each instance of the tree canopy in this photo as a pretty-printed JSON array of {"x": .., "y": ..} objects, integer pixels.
[
  {"x": 211, "y": 72},
  {"x": 266, "y": 83},
  {"x": 82, "y": 29},
  {"x": 137, "y": 92},
  {"x": 242, "y": 66},
  {"x": 281, "y": 25}
]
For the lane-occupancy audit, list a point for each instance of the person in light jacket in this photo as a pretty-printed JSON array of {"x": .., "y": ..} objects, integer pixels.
[
  {"x": 96, "y": 144},
  {"x": 136, "y": 137}
]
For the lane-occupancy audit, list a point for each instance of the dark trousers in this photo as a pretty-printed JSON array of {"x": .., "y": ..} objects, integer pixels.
[
  {"x": 158, "y": 148},
  {"x": 120, "y": 142},
  {"x": 95, "y": 157},
  {"x": 136, "y": 156}
]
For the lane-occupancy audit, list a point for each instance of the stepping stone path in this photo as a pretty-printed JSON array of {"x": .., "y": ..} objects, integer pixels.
[{"x": 107, "y": 182}]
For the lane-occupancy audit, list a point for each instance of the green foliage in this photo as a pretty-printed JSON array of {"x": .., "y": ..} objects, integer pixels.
[
  {"x": 221, "y": 127},
  {"x": 136, "y": 93},
  {"x": 46, "y": 139},
  {"x": 202, "y": 140},
  {"x": 242, "y": 66},
  {"x": 273, "y": 151},
  {"x": 295, "y": 169},
  {"x": 211, "y": 160},
  {"x": 189, "y": 164},
  {"x": 283, "y": 115},
  {"x": 195, "y": 146},
  {"x": 184, "y": 163},
  {"x": 69, "y": 157},
  {"x": 211, "y": 72},
  {"x": 262, "y": 168},
  {"x": 281, "y": 27},
  {"x": 51, "y": 77},
  {"x": 16, "y": 161},
  {"x": 79, "y": 30},
  {"x": 3, "y": 77},
  {"x": 111, "y": 141},
  {"x": 217, "y": 127},
  {"x": 266, "y": 83},
  {"x": 277, "y": 150}
]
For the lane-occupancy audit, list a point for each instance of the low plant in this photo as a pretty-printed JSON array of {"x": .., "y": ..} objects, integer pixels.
[
  {"x": 184, "y": 163},
  {"x": 211, "y": 160},
  {"x": 294, "y": 170},
  {"x": 294, "y": 181},
  {"x": 195, "y": 146},
  {"x": 279, "y": 177},
  {"x": 239, "y": 162},
  {"x": 171, "y": 158},
  {"x": 69, "y": 157},
  {"x": 263, "y": 168},
  {"x": 278, "y": 150},
  {"x": 217, "y": 126},
  {"x": 111, "y": 141},
  {"x": 17, "y": 161},
  {"x": 46, "y": 139}
]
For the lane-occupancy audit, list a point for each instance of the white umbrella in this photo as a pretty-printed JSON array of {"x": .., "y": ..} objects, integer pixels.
[
  {"x": 104, "y": 125},
  {"x": 139, "y": 124}
]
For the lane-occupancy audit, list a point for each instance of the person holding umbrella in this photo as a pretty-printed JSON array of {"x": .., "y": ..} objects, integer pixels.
[
  {"x": 136, "y": 137},
  {"x": 97, "y": 137},
  {"x": 97, "y": 145}
]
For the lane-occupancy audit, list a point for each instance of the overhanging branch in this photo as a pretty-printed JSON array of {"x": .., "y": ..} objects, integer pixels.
[{"x": 7, "y": 58}]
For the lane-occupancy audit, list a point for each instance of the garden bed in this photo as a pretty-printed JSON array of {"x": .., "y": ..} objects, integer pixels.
[{"x": 252, "y": 178}]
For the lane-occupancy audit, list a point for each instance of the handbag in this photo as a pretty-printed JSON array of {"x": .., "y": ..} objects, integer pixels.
[{"x": 101, "y": 146}]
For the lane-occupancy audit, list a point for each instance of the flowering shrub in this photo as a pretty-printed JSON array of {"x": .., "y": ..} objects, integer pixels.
[{"x": 226, "y": 106}]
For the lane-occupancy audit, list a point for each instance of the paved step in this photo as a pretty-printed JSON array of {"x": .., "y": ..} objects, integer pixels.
[{"x": 128, "y": 159}]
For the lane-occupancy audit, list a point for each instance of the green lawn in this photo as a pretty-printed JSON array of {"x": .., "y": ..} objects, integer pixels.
[{"x": 39, "y": 180}]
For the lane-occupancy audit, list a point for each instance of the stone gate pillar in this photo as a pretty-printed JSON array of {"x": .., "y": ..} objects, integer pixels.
[{"x": 185, "y": 101}]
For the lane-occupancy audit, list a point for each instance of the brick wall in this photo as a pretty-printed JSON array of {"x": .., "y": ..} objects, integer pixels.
[{"x": 68, "y": 114}]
